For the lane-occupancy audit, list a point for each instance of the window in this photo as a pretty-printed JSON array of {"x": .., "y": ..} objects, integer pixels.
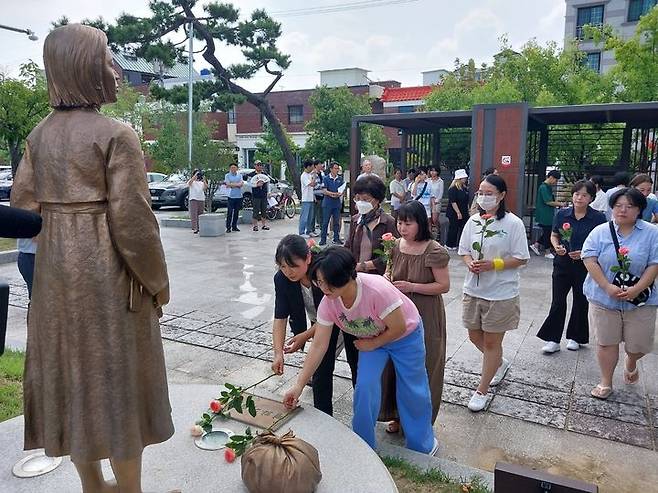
[
  {"x": 406, "y": 109},
  {"x": 588, "y": 15},
  {"x": 296, "y": 114},
  {"x": 593, "y": 61},
  {"x": 231, "y": 115},
  {"x": 637, "y": 8}
]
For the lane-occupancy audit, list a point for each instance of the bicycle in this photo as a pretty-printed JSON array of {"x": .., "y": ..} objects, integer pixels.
[{"x": 285, "y": 203}]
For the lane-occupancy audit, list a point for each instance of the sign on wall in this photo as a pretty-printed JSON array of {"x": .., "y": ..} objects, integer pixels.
[{"x": 506, "y": 161}]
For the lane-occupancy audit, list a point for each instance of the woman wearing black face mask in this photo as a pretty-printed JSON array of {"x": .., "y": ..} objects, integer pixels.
[{"x": 369, "y": 225}]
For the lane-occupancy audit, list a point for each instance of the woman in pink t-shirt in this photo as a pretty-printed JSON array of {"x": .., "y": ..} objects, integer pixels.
[{"x": 388, "y": 326}]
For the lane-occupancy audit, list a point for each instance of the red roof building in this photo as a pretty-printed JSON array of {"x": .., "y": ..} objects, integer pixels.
[{"x": 405, "y": 94}]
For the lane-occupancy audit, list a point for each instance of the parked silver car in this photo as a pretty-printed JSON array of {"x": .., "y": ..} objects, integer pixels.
[
  {"x": 172, "y": 191},
  {"x": 6, "y": 181}
]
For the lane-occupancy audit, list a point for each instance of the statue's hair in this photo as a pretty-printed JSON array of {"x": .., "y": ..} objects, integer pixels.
[{"x": 75, "y": 58}]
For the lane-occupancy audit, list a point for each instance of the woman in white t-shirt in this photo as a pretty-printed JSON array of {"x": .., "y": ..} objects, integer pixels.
[
  {"x": 197, "y": 197},
  {"x": 398, "y": 192},
  {"x": 422, "y": 191},
  {"x": 491, "y": 288},
  {"x": 436, "y": 182}
]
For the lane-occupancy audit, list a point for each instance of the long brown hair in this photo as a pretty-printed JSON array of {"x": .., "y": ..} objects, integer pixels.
[{"x": 75, "y": 59}]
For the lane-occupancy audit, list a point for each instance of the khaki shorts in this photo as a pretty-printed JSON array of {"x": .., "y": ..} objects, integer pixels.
[
  {"x": 636, "y": 328},
  {"x": 491, "y": 316}
]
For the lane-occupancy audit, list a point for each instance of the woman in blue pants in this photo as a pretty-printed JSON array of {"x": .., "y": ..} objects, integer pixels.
[{"x": 387, "y": 326}]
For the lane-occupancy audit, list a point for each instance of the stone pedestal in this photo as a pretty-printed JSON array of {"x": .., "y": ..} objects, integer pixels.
[
  {"x": 212, "y": 224},
  {"x": 348, "y": 465}
]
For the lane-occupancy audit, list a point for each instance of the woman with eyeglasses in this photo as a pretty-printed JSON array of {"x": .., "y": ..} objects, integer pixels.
[
  {"x": 369, "y": 225},
  {"x": 387, "y": 326},
  {"x": 491, "y": 303},
  {"x": 296, "y": 300},
  {"x": 621, "y": 311}
]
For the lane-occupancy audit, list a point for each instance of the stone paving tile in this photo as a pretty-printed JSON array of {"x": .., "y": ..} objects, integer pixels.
[
  {"x": 207, "y": 316},
  {"x": 534, "y": 394},
  {"x": 250, "y": 324},
  {"x": 172, "y": 333},
  {"x": 342, "y": 369},
  {"x": 224, "y": 329},
  {"x": 244, "y": 348},
  {"x": 459, "y": 395},
  {"x": 654, "y": 418},
  {"x": 187, "y": 323},
  {"x": 203, "y": 340},
  {"x": 461, "y": 378},
  {"x": 175, "y": 311},
  {"x": 530, "y": 376},
  {"x": 255, "y": 336},
  {"x": 625, "y": 394},
  {"x": 610, "y": 429},
  {"x": 167, "y": 318},
  {"x": 611, "y": 409},
  {"x": 529, "y": 411}
]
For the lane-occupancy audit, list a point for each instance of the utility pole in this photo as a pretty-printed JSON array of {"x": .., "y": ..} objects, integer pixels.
[{"x": 189, "y": 96}]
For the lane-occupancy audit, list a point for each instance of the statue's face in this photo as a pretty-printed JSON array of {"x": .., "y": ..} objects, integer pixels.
[{"x": 110, "y": 78}]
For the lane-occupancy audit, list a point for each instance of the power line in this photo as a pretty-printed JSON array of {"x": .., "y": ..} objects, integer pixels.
[{"x": 341, "y": 7}]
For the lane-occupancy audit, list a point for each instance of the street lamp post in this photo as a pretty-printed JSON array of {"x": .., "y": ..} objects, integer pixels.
[
  {"x": 29, "y": 32},
  {"x": 189, "y": 96}
]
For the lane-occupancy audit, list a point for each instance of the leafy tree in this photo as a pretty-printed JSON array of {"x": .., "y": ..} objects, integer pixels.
[
  {"x": 23, "y": 104},
  {"x": 268, "y": 149},
  {"x": 329, "y": 129},
  {"x": 162, "y": 36},
  {"x": 637, "y": 58},
  {"x": 131, "y": 108}
]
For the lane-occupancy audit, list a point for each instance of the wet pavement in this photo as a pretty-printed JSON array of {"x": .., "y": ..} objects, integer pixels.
[{"x": 218, "y": 328}]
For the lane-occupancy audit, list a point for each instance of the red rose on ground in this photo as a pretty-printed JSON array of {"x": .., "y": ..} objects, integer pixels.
[
  {"x": 310, "y": 242},
  {"x": 486, "y": 217},
  {"x": 229, "y": 455},
  {"x": 215, "y": 406},
  {"x": 624, "y": 250},
  {"x": 566, "y": 226}
]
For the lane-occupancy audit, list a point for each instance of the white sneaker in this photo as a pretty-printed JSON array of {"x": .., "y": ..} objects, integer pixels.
[
  {"x": 478, "y": 402},
  {"x": 534, "y": 248},
  {"x": 572, "y": 345},
  {"x": 435, "y": 447},
  {"x": 549, "y": 256},
  {"x": 500, "y": 373},
  {"x": 551, "y": 347}
]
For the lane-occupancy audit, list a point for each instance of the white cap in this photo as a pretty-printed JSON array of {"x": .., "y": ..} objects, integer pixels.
[{"x": 460, "y": 174}]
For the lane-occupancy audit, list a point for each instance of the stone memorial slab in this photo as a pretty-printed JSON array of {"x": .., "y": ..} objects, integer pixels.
[
  {"x": 611, "y": 409},
  {"x": 206, "y": 316},
  {"x": 224, "y": 329},
  {"x": 172, "y": 333},
  {"x": 188, "y": 323},
  {"x": 244, "y": 348},
  {"x": 255, "y": 336},
  {"x": 203, "y": 340},
  {"x": 531, "y": 393}
]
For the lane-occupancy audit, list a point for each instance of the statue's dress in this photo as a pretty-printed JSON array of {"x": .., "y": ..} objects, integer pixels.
[{"x": 95, "y": 379}]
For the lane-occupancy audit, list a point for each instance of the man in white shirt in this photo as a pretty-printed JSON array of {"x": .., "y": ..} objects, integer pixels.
[
  {"x": 308, "y": 180},
  {"x": 366, "y": 169}
]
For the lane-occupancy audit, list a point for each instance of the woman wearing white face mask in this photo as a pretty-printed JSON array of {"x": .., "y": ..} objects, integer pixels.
[
  {"x": 491, "y": 288},
  {"x": 369, "y": 224}
]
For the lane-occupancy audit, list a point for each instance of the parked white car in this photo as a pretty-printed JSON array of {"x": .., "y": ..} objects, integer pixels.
[{"x": 220, "y": 198}]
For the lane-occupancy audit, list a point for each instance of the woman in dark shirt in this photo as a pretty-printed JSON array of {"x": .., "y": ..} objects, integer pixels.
[
  {"x": 297, "y": 300},
  {"x": 569, "y": 272},
  {"x": 369, "y": 225},
  {"x": 457, "y": 211}
]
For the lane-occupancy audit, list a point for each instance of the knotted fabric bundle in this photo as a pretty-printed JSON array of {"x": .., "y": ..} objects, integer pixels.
[{"x": 283, "y": 464}]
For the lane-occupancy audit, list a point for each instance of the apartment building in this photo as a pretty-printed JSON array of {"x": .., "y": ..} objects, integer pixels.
[{"x": 622, "y": 15}]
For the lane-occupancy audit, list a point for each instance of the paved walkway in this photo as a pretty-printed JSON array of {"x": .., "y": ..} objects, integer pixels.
[{"x": 218, "y": 328}]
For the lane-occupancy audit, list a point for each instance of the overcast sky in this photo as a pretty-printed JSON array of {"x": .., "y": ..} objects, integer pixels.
[{"x": 396, "y": 41}]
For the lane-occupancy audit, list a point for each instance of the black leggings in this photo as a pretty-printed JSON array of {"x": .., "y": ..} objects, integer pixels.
[{"x": 455, "y": 229}]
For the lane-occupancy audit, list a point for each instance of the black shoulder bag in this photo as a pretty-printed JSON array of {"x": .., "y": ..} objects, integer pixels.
[
  {"x": 626, "y": 280},
  {"x": 422, "y": 192}
]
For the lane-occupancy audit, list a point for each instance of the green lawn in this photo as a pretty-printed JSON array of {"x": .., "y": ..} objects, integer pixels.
[
  {"x": 7, "y": 244},
  {"x": 410, "y": 479},
  {"x": 11, "y": 386}
]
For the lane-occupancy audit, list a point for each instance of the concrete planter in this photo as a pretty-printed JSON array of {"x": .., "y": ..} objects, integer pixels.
[
  {"x": 212, "y": 224},
  {"x": 246, "y": 216},
  {"x": 8, "y": 257},
  {"x": 175, "y": 222}
]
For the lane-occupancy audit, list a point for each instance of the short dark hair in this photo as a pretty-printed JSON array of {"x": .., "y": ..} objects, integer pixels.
[
  {"x": 633, "y": 195},
  {"x": 290, "y": 250},
  {"x": 233, "y": 164},
  {"x": 587, "y": 185},
  {"x": 411, "y": 170},
  {"x": 489, "y": 171},
  {"x": 501, "y": 186},
  {"x": 597, "y": 180},
  {"x": 422, "y": 169},
  {"x": 621, "y": 178},
  {"x": 395, "y": 170},
  {"x": 307, "y": 164},
  {"x": 414, "y": 211},
  {"x": 434, "y": 168},
  {"x": 337, "y": 264},
  {"x": 372, "y": 185},
  {"x": 333, "y": 163},
  {"x": 554, "y": 174},
  {"x": 316, "y": 162}
]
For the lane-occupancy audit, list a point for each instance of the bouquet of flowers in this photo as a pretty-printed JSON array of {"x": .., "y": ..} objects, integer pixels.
[{"x": 484, "y": 222}]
